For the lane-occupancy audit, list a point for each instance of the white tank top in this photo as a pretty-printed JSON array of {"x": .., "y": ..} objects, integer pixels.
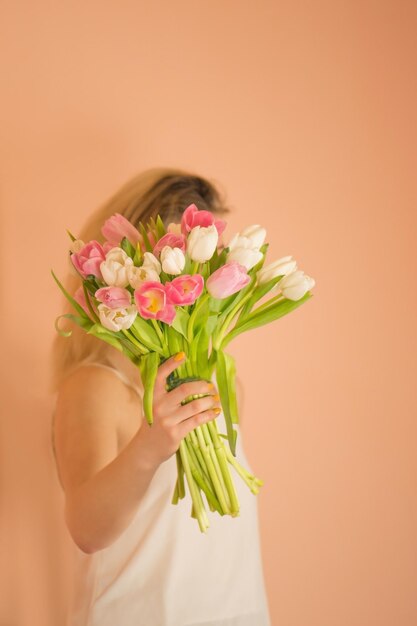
[{"x": 163, "y": 571}]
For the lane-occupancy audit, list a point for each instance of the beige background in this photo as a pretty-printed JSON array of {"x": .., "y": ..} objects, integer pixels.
[{"x": 304, "y": 112}]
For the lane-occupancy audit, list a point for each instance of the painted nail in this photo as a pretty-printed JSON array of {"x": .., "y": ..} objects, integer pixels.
[
  {"x": 217, "y": 410},
  {"x": 216, "y": 397},
  {"x": 179, "y": 356}
]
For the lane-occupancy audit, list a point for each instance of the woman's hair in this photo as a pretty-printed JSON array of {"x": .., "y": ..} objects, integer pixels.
[{"x": 163, "y": 191}]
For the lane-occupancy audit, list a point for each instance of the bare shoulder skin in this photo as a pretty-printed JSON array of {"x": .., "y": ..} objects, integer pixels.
[{"x": 96, "y": 415}]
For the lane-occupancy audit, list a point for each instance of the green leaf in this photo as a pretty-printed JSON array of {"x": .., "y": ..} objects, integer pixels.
[
  {"x": 203, "y": 340},
  {"x": 74, "y": 303},
  {"x": 270, "y": 314},
  {"x": 258, "y": 293},
  {"x": 223, "y": 370},
  {"x": 144, "y": 234},
  {"x": 145, "y": 333},
  {"x": 105, "y": 335},
  {"x": 127, "y": 247},
  {"x": 180, "y": 322},
  {"x": 149, "y": 369},
  {"x": 174, "y": 340},
  {"x": 217, "y": 260},
  {"x": 93, "y": 314},
  {"x": 160, "y": 227},
  {"x": 83, "y": 322}
]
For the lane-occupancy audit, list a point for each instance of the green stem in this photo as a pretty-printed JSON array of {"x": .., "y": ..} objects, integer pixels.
[
  {"x": 221, "y": 455},
  {"x": 212, "y": 470},
  {"x": 190, "y": 329},
  {"x": 265, "y": 305},
  {"x": 135, "y": 342},
  {"x": 160, "y": 335},
  {"x": 197, "y": 502},
  {"x": 200, "y": 478},
  {"x": 229, "y": 317},
  {"x": 252, "y": 481},
  {"x": 194, "y": 267}
]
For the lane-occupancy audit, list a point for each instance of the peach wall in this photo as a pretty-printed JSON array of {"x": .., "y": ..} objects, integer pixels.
[{"x": 305, "y": 113}]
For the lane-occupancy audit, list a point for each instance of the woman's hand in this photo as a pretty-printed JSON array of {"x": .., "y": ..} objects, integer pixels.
[{"x": 172, "y": 421}]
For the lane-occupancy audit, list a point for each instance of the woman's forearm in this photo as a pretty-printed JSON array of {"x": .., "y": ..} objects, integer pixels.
[{"x": 100, "y": 509}]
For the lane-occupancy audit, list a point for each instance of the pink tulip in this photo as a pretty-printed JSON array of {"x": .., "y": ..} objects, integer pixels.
[
  {"x": 228, "y": 279},
  {"x": 116, "y": 227},
  {"x": 169, "y": 239},
  {"x": 88, "y": 259},
  {"x": 114, "y": 297},
  {"x": 185, "y": 289},
  {"x": 152, "y": 302},
  {"x": 192, "y": 217}
]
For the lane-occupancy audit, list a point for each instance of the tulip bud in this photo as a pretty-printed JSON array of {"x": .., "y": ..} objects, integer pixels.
[
  {"x": 114, "y": 268},
  {"x": 117, "y": 319},
  {"x": 281, "y": 267},
  {"x": 255, "y": 233},
  {"x": 202, "y": 242},
  {"x": 295, "y": 285},
  {"x": 172, "y": 259},
  {"x": 150, "y": 260}
]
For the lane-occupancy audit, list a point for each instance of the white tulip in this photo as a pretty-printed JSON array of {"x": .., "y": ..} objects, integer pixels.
[
  {"x": 255, "y": 233},
  {"x": 114, "y": 268},
  {"x": 172, "y": 259},
  {"x": 136, "y": 275},
  {"x": 202, "y": 242},
  {"x": 150, "y": 260},
  {"x": 248, "y": 257},
  {"x": 117, "y": 319},
  {"x": 295, "y": 285},
  {"x": 283, "y": 266},
  {"x": 243, "y": 250}
]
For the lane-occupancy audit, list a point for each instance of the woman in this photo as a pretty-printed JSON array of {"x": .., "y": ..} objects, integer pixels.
[{"x": 139, "y": 559}]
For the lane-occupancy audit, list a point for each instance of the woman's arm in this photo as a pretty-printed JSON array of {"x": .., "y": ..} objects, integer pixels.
[{"x": 102, "y": 488}]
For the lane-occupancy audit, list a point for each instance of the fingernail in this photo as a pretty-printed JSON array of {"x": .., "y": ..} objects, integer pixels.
[
  {"x": 217, "y": 410},
  {"x": 210, "y": 386},
  {"x": 179, "y": 356},
  {"x": 216, "y": 397}
]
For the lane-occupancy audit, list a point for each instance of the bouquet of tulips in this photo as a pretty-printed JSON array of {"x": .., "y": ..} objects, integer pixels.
[{"x": 153, "y": 291}]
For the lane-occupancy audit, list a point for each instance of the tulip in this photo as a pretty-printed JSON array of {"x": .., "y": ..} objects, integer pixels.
[
  {"x": 185, "y": 289},
  {"x": 150, "y": 260},
  {"x": 255, "y": 233},
  {"x": 114, "y": 297},
  {"x": 172, "y": 259},
  {"x": 202, "y": 242},
  {"x": 283, "y": 266},
  {"x": 193, "y": 217},
  {"x": 227, "y": 280},
  {"x": 295, "y": 285},
  {"x": 151, "y": 299},
  {"x": 117, "y": 319},
  {"x": 243, "y": 250},
  {"x": 115, "y": 267},
  {"x": 88, "y": 259},
  {"x": 169, "y": 239},
  {"x": 137, "y": 275},
  {"x": 116, "y": 227}
]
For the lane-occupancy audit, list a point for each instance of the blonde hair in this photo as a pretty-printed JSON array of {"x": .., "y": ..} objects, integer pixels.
[{"x": 163, "y": 191}]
